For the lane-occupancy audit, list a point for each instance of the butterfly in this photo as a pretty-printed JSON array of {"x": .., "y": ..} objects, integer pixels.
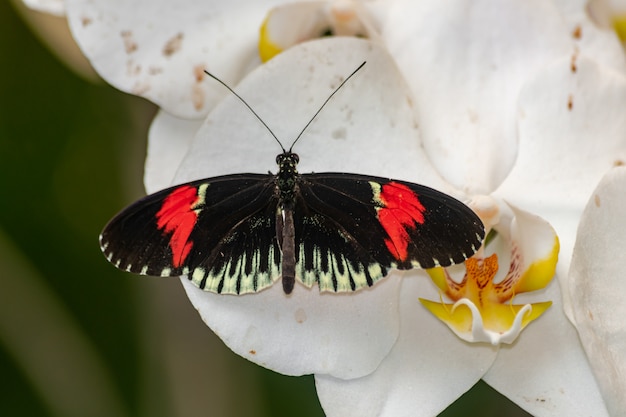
[{"x": 240, "y": 233}]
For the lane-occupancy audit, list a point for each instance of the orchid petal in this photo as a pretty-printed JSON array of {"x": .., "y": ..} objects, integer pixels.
[
  {"x": 597, "y": 286},
  {"x": 545, "y": 371},
  {"x": 289, "y": 24},
  {"x": 46, "y": 18},
  {"x": 307, "y": 332},
  {"x": 159, "y": 49},
  {"x": 577, "y": 111},
  {"x": 466, "y": 83},
  {"x": 609, "y": 15},
  {"x": 54, "y": 7},
  {"x": 367, "y": 127},
  {"x": 427, "y": 369},
  {"x": 592, "y": 37},
  {"x": 467, "y": 323},
  {"x": 169, "y": 140},
  {"x": 539, "y": 247}
]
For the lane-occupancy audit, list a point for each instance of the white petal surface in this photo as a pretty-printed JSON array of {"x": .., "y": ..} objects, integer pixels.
[
  {"x": 597, "y": 286},
  {"x": 591, "y": 38},
  {"x": 466, "y": 62},
  {"x": 427, "y": 369},
  {"x": 345, "y": 335},
  {"x": 367, "y": 127},
  {"x": 157, "y": 48},
  {"x": 571, "y": 130},
  {"x": 55, "y": 7},
  {"x": 534, "y": 236},
  {"x": 545, "y": 371},
  {"x": 169, "y": 139}
]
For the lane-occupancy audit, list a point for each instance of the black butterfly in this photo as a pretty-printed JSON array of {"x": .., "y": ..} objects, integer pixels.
[{"x": 239, "y": 233}]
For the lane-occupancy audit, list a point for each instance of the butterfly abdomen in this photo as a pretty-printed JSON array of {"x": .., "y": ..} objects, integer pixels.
[{"x": 287, "y": 189}]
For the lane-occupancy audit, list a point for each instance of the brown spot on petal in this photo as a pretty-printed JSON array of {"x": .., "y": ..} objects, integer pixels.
[
  {"x": 618, "y": 163},
  {"x": 339, "y": 133},
  {"x": 596, "y": 200},
  {"x": 86, "y": 21},
  {"x": 155, "y": 70},
  {"x": 573, "y": 65},
  {"x": 570, "y": 102},
  {"x": 173, "y": 45},
  {"x": 472, "y": 115},
  {"x": 129, "y": 43},
  {"x": 132, "y": 68},
  {"x": 300, "y": 315},
  {"x": 253, "y": 352},
  {"x": 198, "y": 72},
  {"x": 577, "y": 33},
  {"x": 197, "y": 96},
  {"x": 140, "y": 88}
]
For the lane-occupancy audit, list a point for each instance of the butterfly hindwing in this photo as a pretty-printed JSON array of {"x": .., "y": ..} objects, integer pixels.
[
  {"x": 350, "y": 229},
  {"x": 332, "y": 238},
  {"x": 221, "y": 232},
  {"x": 246, "y": 259},
  {"x": 329, "y": 256}
]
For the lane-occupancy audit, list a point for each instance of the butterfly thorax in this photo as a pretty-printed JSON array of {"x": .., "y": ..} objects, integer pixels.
[{"x": 286, "y": 179}]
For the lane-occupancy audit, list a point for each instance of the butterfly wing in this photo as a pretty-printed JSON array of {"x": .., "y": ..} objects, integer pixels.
[
  {"x": 350, "y": 229},
  {"x": 221, "y": 232}
]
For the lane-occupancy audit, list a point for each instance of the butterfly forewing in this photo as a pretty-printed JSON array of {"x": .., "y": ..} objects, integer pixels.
[
  {"x": 221, "y": 232},
  {"x": 350, "y": 229}
]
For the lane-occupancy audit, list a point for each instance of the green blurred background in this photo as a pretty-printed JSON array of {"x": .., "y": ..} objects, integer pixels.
[{"x": 77, "y": 337}]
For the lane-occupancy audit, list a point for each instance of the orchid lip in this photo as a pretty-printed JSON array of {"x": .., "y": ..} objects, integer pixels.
[{"x": 481, "y": 308}]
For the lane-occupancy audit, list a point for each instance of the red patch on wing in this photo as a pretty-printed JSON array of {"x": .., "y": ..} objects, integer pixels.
[
  {"x": 402, "y": 209},
  {"x": 178, "y": 218}
]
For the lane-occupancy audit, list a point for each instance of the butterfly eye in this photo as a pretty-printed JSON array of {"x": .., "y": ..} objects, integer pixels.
[{"x": 295, "y": 158}]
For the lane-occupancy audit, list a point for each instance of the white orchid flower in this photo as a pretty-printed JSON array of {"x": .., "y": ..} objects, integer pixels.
[{"x": 520, "y": 102}]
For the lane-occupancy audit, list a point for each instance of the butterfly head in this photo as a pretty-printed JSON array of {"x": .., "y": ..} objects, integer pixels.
[{"x": 287, "y": 161}]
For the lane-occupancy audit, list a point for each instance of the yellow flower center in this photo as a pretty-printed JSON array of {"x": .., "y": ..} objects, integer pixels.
[{"x": 482, "y": 309}]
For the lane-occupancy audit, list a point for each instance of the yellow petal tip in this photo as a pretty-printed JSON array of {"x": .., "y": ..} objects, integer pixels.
[{"x": 267, "y": 48}]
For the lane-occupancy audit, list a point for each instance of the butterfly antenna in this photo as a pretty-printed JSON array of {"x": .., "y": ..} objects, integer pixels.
[
  {"x": 248, "y": 106},
  {"x": 324, "y": 104}
]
